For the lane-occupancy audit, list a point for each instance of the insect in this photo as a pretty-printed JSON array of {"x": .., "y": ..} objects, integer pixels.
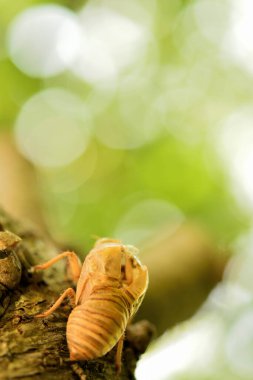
[
  {"x": 10, "y": 265},
  {"x": 111, "y": 285}
]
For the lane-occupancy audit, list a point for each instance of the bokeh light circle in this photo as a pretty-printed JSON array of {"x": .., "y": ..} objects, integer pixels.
[
  {"x": 238, "y": 40},
  {"x": 212, "y": 18},
  {"x": 53, "y": 128},
  {"x": 111, "y": 41},
  {"x": 235, "y": 145},
  {"x": 43, "y": 40},
  {"x": 239, "y": 346},
  {"x": 147, "y": 217}
]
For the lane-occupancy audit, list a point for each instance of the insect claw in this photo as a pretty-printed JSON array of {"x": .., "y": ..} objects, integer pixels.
[
  {"x": 79, "y": 371},
  {"x": 118, "y": 370},
  {"x": 35, "y": 268}
]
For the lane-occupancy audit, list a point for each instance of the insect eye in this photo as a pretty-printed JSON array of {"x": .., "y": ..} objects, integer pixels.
[
  {"x": 123, "y": 272},
  {"x": 123, "y": 267},
  {"x": 123, "y": 260},
  {"x": 3, "y": 254},
  {"x": 133, "y": 262}
]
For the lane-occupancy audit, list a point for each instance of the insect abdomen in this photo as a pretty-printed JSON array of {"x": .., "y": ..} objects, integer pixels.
[{"x": 94, "y": 327}]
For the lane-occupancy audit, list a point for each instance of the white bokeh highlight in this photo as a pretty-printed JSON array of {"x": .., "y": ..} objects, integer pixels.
[
  {"x": 239, "y": 346},
  {"x": 212, "y": 18},
  {"x": 238, "y": 42},
  {"x": 96, "y": 44},
  {"x": 111, "y": 41},
  {"x": 193, "y": 350},
  {"x": 53, "y": 128},
  {"x": 234, "y": 141},
  {"x": 43, "y": 40},
  {"x": 145, "y": 218}
]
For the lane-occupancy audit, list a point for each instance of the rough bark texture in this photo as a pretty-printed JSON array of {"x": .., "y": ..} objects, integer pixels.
[{"x": 33, "y": 348}]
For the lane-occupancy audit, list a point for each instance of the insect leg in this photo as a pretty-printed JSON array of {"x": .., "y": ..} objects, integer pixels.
[
  {"x": 119, "y": 354},
  {"x": 79, "y": 371},
  {"x": 68, "y": 293},
  {"x": 73, "y": 260}
]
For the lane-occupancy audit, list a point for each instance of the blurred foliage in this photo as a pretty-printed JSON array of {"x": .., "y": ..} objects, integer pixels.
[
  {"x": 185, "y": 88},
  {"x": 184, "y": 266}
]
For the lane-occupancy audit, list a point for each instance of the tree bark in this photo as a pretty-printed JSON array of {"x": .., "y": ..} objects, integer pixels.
[{"x": 32, "y": 348}]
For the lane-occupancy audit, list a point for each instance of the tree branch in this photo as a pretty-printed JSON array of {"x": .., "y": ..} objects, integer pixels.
[{"x": 32, "y": 348}]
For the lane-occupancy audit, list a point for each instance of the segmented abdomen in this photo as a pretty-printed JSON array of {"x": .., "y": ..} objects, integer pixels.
[{"x": 94, "y": 327}]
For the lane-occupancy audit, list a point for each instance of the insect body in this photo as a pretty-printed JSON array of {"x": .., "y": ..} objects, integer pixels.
[
  {"x": 10, "y": 266},
  {"x": 110, "y": 287}
]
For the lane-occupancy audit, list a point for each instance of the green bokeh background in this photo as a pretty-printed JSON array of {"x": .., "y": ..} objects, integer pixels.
[{"x": 181, "y": 165}]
